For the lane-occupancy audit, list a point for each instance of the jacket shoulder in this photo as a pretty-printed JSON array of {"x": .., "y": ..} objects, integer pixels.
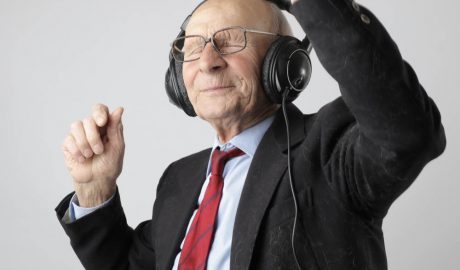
[
  {"x": 193, "y": 159},
  {"x": 182, "y": 167}
]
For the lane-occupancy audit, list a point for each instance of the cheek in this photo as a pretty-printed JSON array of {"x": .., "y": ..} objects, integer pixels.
[{"x": 249, "y": 71}]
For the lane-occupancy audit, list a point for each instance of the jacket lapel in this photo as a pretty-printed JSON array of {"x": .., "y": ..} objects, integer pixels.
[
  {"x": 178, "y": 208},
  {"x": 266, "y": 170}
]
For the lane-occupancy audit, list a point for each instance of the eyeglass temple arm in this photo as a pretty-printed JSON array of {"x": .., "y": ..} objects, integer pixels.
[{"x": 305, "y": 42}]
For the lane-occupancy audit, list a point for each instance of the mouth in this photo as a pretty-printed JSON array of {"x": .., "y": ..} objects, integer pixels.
[{"x": 216, "y": 88}]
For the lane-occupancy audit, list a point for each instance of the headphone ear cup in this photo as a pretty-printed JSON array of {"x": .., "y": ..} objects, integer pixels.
[
  {"x": 269, "y": 79},
  {"x": 285, "y": 58},
  {"x": 175, "y": 88}
]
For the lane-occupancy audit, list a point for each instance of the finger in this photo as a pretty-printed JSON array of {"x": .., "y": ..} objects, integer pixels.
[
  {"x": 93, "y": 136},
  {"x": 100, "y": 114},
  {"x": 117, "y": 115},
  {"x": 78, "y": 132},
  {"x": 115, "y": 126},
  {"x": 69, "y": 147}
]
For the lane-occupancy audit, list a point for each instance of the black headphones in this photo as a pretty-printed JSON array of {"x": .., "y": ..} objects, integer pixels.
[{"x": 286, "y": 66}]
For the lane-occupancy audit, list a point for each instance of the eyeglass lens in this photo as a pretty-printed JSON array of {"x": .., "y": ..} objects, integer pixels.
[{"x": 225, "y": 41}]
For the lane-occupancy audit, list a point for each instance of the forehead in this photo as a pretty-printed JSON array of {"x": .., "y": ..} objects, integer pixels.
[{"x": 215, "y": 14}]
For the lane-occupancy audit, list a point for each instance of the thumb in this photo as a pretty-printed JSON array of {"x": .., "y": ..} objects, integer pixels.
[{"x": 115, "y": 124}]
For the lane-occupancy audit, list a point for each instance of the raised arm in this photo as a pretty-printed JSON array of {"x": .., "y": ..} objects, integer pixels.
[{"x": 397, "y": 127}]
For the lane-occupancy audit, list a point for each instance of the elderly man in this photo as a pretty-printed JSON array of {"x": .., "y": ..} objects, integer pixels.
[{"x": 231, "y": 206}]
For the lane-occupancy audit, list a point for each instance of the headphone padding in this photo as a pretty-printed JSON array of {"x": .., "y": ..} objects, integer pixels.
[
  {"x": 274, "y": 78},
  {"x": 175, "y": 88}
]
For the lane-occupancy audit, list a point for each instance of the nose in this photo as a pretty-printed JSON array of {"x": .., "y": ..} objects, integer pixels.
[{"x": 210, "y": 60}]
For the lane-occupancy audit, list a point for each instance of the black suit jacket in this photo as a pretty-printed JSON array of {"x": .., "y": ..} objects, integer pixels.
[{"x": 350, "y": 161}]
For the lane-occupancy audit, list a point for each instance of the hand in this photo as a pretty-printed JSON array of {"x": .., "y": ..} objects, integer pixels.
[
  {"x": 93, "y": 153},
  {"x": 283, "y": 4}
]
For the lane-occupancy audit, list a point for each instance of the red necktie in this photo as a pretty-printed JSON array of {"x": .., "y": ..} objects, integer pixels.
[{"x": 198, "y": 241}]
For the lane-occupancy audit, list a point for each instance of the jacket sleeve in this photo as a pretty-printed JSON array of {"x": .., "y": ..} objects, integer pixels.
[
  {"x": 103, "y": 239},
  {"x": 396, "y": 129}
]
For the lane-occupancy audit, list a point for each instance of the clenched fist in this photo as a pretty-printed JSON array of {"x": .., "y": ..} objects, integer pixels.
[{"x": 93, "y": 153}]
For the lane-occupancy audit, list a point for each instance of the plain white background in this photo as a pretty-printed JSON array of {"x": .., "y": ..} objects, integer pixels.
[{"x": 59, "y": 57}]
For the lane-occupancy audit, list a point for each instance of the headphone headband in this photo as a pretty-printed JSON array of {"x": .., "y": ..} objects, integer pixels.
[{"x": 185, "y": 23}]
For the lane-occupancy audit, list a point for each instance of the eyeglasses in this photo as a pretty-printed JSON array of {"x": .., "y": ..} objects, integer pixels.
[{"x": 225, "y": 41}]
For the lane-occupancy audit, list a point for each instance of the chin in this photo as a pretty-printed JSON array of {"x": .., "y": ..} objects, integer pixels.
[
  {"x": 211, "y": 114},
  {"x": 213, "y": 108}
]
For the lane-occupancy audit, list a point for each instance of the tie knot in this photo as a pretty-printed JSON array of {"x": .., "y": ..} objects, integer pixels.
[{"x": 220, "y": 158}]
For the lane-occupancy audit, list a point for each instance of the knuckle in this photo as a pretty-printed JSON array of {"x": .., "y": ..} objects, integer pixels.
[
  {"x": 96, "y": 106},
  {"x": 100, "y": 114},
  {"x": 69, "y": 145},
  {"x": 75, "y": 125},
  {"x": 99, "y": 107},
  {"x": 88, "y": 121}
]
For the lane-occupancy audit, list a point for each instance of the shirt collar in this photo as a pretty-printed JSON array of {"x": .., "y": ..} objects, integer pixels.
[{"x": 248, "y": 140}]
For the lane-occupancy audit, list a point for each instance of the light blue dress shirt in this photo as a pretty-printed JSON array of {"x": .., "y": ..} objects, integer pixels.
[{"x": 234, "y": 174}]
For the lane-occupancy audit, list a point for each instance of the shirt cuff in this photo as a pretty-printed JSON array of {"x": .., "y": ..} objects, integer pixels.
[{"x": 77, "y": 212}]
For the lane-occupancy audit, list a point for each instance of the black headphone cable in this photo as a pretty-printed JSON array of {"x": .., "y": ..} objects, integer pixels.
[{"x": 288, "y": 136}]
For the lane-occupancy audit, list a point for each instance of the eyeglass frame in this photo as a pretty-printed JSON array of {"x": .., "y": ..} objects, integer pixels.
[{"x": 211, "y": 40}]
